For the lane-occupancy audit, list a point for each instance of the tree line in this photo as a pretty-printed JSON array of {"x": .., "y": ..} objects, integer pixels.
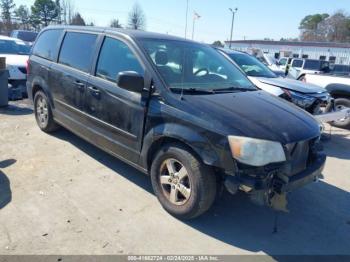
[
  {"x": 46, "y": 12},
  {"x": 326, "y": 28}
]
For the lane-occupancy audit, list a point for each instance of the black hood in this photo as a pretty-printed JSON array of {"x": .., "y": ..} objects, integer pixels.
[{"x": 255, "y": 114}]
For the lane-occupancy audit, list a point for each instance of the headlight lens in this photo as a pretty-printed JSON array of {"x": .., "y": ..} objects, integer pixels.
[{"x": 256, "y": 152}]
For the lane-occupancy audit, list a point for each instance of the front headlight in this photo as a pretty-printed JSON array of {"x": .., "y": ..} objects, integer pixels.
[{"x": 256, "y": 152}]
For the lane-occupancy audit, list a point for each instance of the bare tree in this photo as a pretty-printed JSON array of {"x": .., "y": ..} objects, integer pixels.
[
  {"x": 137, "y": 18},
  {"x": 67, "y": 11},
  {"x": 78, "y": 20},
  {"x": 115, "y": 24}
]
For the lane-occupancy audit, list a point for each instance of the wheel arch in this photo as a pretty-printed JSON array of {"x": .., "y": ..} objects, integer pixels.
[
  {"x": 184, "y": 136},
  {"x": 39, "y": 84}
]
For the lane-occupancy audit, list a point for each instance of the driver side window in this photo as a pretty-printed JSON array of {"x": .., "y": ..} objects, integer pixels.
[{"x": 116, "y": 57}]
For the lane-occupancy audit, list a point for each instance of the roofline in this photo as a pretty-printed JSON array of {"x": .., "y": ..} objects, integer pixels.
[
  {"x": 292, "y": 43},
  {"x": 134, "y": 34}
]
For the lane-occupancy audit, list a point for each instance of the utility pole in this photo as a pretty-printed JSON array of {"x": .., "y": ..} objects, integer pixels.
[
  {"x": 233, "y": 11},
  {"x": 186, "y": 18},
  {"x": 195, "y": 17}
]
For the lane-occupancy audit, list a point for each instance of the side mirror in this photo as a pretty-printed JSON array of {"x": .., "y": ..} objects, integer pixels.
[{"x": 131, "y": 81}]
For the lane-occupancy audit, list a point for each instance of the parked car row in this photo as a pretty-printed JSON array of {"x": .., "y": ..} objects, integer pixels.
[
  {"x": 177, "y": 110},
  {"x": 16, "y": 53},
  {"x": 312, "y": 98}
]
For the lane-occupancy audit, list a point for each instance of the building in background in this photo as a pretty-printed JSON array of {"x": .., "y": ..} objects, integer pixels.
[{"x": 338, "y": 53}]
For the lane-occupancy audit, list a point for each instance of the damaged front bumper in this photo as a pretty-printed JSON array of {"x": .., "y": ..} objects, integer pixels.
[{"x": 271, "y": 188}]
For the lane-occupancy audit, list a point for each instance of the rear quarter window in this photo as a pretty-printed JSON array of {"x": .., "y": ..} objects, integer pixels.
[
  {"x": 77, "y": 50},
  {"x": 47, "y": 44}
]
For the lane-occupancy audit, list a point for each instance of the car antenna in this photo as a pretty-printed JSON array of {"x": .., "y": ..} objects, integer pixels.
[
  {"x": 183, "y": 75},
  {"x": 275, "y": 225}
]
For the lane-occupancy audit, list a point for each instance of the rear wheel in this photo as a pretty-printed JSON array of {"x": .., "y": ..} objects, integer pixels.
[
  {"x": 185, "y": 187},
  {"x": 43, "y": 113},
  {"x": 340, "y": 104}
]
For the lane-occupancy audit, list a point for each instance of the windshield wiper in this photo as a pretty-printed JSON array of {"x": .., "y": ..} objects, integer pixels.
[
  {"x": 192, "y": 90},
  {"x": 233, "y": 89}
]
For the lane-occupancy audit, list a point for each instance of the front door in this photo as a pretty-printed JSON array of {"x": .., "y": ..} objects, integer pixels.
[{"x": 116, "y": 114}]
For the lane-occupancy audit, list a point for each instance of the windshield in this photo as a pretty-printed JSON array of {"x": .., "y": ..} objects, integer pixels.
[
  {"x": 191, "y": 66},
  {"x": 14, "y": 48},
  {"x": 252, "y": 66}
]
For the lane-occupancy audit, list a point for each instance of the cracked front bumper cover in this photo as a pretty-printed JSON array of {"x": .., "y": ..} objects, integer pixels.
[
  {"x": 284, "y": 184},
  {"x": 311, "y": 174}
]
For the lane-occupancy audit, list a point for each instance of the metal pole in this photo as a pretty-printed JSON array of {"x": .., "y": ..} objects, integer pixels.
[
  {"x": 194, "y": 21},
  {"x": 233, "y": 21},
  {"x": 186, "y": 19}
]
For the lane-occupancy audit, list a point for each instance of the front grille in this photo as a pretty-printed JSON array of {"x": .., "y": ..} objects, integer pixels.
[
  {"x": 300, "y": 155},
  {"x": 23, "y": 70}
]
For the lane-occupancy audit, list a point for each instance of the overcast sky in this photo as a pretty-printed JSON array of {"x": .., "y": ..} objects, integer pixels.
[{"x": 255, "y": 19}]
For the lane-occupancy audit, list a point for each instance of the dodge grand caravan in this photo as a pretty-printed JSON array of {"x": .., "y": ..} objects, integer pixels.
[{"x": 176, "y": 110}]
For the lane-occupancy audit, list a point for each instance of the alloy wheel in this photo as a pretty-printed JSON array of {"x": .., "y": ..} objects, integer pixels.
[{"x": 175, "y": 182}]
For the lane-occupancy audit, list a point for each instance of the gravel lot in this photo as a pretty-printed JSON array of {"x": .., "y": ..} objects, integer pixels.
[{"x": 61, "y": 195}]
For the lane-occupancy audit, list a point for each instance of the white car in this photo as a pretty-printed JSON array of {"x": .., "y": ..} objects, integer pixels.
[
  {"x": 339, "y": 88},
  {"x": 300, "y": 67},
  {"x": 16, "y": 53}
]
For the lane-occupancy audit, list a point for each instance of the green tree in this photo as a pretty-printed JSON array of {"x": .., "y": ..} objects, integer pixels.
[
  {"x": 44, "y": 12},
  {"x": 7, "y": 7},
  {"x": 137, "y": 18},
  {"x": 311, "y": 22},
  {"x": 77, "y": 19},
  {"x": 22, "y": 13},
  {"x": 115, "y": 24},
  {"x": 218, "y": 44}
]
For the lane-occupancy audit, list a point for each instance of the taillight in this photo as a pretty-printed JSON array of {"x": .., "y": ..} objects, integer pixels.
[{"x": 27, "y": 67}]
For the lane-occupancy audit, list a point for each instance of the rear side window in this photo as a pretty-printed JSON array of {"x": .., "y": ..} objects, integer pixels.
[
  {"x": 78, "y": 50},
  {"x": 116, "y": 57},
  {"x": 46, "y": 46},
  {"x": 297, "y": 63}
]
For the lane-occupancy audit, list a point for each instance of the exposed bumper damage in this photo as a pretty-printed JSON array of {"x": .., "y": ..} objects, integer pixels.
[{"x": 270, "y": 185}]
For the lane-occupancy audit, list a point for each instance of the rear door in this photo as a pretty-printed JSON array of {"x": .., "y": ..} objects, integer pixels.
[
  {"x": 116, "y": 114},
  {"x": 70, "y": 75}
]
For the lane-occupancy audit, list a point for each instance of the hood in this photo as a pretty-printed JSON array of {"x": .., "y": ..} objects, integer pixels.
[
  {"x": 16, "y": 60},
  {"x": 293, "y": 85},
  {"x": 255, "y": 114}
]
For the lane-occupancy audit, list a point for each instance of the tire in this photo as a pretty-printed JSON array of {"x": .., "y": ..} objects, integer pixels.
[
  {"x": 43, "y": 113},
  {"x": 342, "y": 103},
  {"x": 199, "y": 186},
  {"x": 302, "y": 78}
]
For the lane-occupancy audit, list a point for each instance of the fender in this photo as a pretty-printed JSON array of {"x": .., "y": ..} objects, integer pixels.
[
  {"x": 339, "y": 90},
  {"x": 39, "y": 81},
  {"x": 172, "y": 132}
]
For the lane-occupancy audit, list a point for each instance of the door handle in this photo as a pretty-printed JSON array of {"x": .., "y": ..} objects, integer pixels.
[
  {"x": 80, "y": 85},
  {"x": 94, "y": 91}
]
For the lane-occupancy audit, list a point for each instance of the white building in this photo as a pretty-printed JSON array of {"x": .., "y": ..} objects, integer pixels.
[{"x": 338, "y": 53}]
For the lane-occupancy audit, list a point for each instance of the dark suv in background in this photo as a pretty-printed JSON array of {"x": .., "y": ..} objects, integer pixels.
[{"x": 175, "y": 109}]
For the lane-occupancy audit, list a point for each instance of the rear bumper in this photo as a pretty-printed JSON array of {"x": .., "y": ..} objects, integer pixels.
[{"x": 333, "y": 116}]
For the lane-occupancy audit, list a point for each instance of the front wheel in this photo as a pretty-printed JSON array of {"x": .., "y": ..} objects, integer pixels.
[
  {"x": 185, "y": 187},
  {"x": 340, "y": 104}
]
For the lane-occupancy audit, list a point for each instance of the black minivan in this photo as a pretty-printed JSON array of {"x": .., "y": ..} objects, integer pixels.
[{"x": 175, "y": 109}]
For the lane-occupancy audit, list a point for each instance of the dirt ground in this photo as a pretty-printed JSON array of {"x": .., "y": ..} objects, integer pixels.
[{"x": 61, "y": 195}]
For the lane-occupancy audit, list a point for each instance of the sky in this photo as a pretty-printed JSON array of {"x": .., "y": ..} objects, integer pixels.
[{"x": 255, "y": 19}]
